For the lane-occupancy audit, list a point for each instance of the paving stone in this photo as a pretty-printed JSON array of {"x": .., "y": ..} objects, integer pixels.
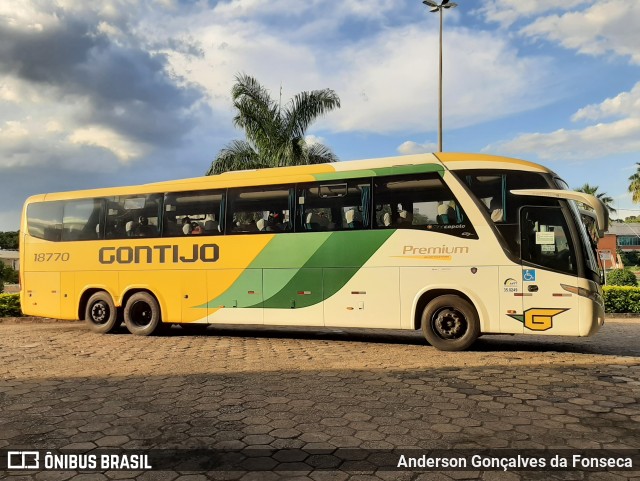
[{"x": 289, "y": 392}]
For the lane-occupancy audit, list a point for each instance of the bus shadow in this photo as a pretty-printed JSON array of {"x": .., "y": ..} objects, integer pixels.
[
  {"x": 613, "y": 340},
  {"x": 376, "y": 336},
  {"x": 611, "y": 346}
]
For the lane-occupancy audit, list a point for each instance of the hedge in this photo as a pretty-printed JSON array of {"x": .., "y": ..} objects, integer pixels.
[
  {"x": 10, "y": 305},
  {"x": 621, "y": 299},
  {"x": 616, "y": 300}
]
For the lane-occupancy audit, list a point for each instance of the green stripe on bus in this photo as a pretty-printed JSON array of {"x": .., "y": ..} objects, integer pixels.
[
  {"x": 328, "y": 269},
  {"x": 395, "y": 170},
  {"x": 288, "y": 252},
  {"x": 310, "y": 269}
]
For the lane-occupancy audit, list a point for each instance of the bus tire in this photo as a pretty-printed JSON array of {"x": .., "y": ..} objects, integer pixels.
[
  {"x": 101, "y": 314},
  {"x": 142, "y": 314},
  {"x": 450, "y": 323}
]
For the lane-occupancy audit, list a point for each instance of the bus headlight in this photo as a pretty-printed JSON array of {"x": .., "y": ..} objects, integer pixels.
[{"x": 595, "y": 296}]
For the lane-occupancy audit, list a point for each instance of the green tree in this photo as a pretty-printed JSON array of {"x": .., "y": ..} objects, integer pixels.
[
  {"x": 593, "y": 190},
  {"x": 634, "y": 184},
  {"x": 8, "y": 274},
  {"x": 275, "y": 133},
  {"x": 9, "y": 240},
  {"x": 621, "y": 277}
]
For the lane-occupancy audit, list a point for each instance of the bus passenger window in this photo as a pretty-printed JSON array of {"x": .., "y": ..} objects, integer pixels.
[
  {"x": 133, "y": 216},
  {"x": 44, "y": 220},
  {"x": 193, "y": 213},
  {"x": 420, "y": 201},
  {"x": 82, "y": 220},
  {"x": 331, "y": 207},
  {"x": 260, "y": 210}
]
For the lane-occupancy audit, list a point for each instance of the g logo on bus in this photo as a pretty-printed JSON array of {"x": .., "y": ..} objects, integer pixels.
[{"x": 537, "y": 319}]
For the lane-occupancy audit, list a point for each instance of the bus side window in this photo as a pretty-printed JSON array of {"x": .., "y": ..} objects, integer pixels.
[
  {"x": 258, "y": 210},
  {"x": 82, "y": 220},
  {"x": 344, "y": 205},
  {"x": 416, "y": 202},
  {"x": 133, "y": 216},
  {"x": 192, "y": 213},
  {"x": 44, "y": 220}
]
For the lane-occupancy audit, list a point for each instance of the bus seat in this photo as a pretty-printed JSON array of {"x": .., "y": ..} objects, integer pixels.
[
  {"x": 312, "y": 222},
  {"x": 386, "y": 219},
  {"x": 349, "y": 216},
  {"x": 210, "y": 224},
  {"x": 130, "y": 228},
  {"x": 261, "y": 225},
  {"x": 495, "y": 209},
  {"x": 405, "y": 217},
  {"x": 352, "y": 223}
]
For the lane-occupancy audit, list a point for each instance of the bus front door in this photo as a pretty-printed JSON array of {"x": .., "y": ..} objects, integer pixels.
[{"x": 548, "y": 261}]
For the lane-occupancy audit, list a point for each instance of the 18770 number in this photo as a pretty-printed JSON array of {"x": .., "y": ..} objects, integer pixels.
[{"x": 51, "y": 256}]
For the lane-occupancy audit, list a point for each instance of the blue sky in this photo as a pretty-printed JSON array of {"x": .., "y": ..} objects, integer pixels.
[{"x": 122, "y": 92}]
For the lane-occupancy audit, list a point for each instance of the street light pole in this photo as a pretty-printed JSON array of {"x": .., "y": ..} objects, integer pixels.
[{"x": 439, "y": 8}]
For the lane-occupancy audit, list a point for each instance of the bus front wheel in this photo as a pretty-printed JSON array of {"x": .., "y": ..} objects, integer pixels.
[
  {"x": 450, "y": 323},
  {"x": 101, "y": 314},
  {"x": 142, "y": 314}
]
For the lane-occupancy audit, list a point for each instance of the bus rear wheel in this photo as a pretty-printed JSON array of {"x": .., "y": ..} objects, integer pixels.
[
  {"x": 450, "y": 323},
  {"x": 101, "y": 314},
  {"x": 142, "y": 314}
]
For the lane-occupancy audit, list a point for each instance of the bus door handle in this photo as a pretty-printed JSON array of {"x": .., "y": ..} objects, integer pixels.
[{"x": 532, "y": 288}]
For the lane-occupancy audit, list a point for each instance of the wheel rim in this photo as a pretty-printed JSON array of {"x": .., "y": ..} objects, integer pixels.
[
  {"x": 100, "y": 313},
  {"x": 141, "y": 314},
  {"x": 449, "y": 323}
]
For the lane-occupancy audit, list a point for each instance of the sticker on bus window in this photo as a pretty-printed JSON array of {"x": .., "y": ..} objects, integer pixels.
[
  {"x": 547, "y": 248},
  {"x": 545, "y": 238}
]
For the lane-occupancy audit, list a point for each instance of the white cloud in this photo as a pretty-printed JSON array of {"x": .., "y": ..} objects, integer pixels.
[
  {"x": 17, "y": 92},
  {"x": 39, "y": 141},
  {"x": 389, "y": 83},
  {"x": 592, "y": 27},
  {"x": 507, "y": 12},
  {"x": 337, "y": 11},
  {"x": 608, "y": 26},
  {"x": 615, "y": 137},
  {"x": 314, "y": 139},
  {"x": 386, "y": 76},
  {"x": 78, "y": 79},
  {"x": 626, "y": 104},
  {"x": 121, "y": 147},
  {"x": 410, "y": 147},
  {"x": 25, "y": 16}
]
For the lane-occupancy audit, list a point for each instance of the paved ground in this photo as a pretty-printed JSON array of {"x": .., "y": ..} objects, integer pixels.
[{"x": 292, "y": 390}]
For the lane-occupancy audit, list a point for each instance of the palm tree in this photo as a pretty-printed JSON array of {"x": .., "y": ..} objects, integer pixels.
[
  {"x": 634, "y": 184},
  {"x": 593, "y": 190},
  {"x": 275, "y": 134}
]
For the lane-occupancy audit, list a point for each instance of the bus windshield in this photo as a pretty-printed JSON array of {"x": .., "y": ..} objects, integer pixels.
[
  {"x": 493, "y": 190},
  {"x": 588, "y": 245}
]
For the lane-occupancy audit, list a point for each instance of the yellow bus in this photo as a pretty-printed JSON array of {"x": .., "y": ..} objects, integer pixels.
[{"x": 454, "y": 244}]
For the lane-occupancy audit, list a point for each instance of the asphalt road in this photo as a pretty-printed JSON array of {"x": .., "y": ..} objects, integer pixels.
[{"x": 304, "y": 404}]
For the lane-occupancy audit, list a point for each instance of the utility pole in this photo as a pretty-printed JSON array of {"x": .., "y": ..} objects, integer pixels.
[{"x": 439, "y": 8}]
